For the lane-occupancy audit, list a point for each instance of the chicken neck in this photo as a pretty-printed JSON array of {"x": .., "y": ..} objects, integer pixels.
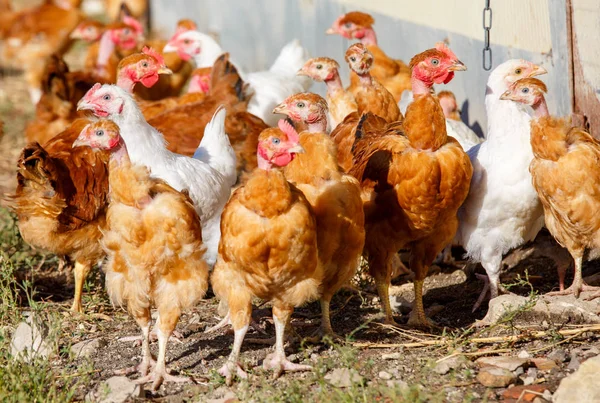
[
  {"x": 119, "y": 154},
  {"x": 420, "y": 87},
  {"x": 125, "y": 80},
  {"x": 368, "y": 38},
  {"x": 365, "y": 79},
  {"x": 334, "y": 84},
  {"x": 540, "y": 108}
]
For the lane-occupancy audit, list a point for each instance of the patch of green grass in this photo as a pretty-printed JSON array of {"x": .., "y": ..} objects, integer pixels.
[{"x": 40, "y": 379}]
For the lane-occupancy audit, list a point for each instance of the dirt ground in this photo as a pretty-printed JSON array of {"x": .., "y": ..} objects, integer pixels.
[{"x": 449, "y": 297}]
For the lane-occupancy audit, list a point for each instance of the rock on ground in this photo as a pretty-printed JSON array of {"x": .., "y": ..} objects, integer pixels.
[
  {"x": 29, "y": 341},
  {"x": 443, "y": 367},
  {"x": 509, "y": 363},
  {"x": 87, "y": 348},
  {"x": 494, "y": 377},
  {"x": 343, "y": 377},
  {"x": 553, "y": 309},
  {"x": 117, "y": 389},
  {"x": 581, "y": 386}
]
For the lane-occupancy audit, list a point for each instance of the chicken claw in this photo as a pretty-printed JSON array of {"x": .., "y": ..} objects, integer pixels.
[
  {"x": 227, "y": 371},
  {"x": 158, "y": 376},
  {"x": 143, "y": 368},
  {"x": 281, "y": 364}
]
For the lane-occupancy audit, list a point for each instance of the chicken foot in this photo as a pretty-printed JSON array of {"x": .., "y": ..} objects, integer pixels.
[
  {"x": 240, "y": 313},
  {"x": 148, "y": 362},
  {"x": 578, "y": 284},
  {"x": 278, "y": 361},
  {"x": 325, "y": 330},
  {"x": 160, "y": 374}
]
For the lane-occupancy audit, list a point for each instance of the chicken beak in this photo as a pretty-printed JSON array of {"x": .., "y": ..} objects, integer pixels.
[
  {"x": 331, "y": 31},
  {"x": 169, "y": 48},
  {"x": 506, "y": 95},
  {"x": 75, "y": 35},
  {"x": 538, "y": 71},
  {"x": 165, "y": 70},
  {"x": 78, "y": 142},
  {"x": 297, "y": 149},
  {"x": 281, "y": 109},
  {"x": 84, "y": 105},
  {"x": 458, "y": 66},
  {"x": 302, "y": 72}
]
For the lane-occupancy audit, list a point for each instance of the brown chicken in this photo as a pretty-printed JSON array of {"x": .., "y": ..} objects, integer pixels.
[
  {"x": 154, "y": 246},
  {"x": 369, "y": 94},
  {"x": 183, "y": 126},
  {"x": 566, "y": 177},
  {"x": 61, "y": 200},
  {"x": 36, "y": 33},
  {"x": 268, "y": 250},
  {"x": 449, "y": 105},
  {"x": 341, "y": 103},
  {"x": 413, "y": 183},
  {"x": 392, "y": 74},
  {"x": 135, "y": 8},
  {"x": 57, "y": 108},
  {"x": 333, "y": 195}
]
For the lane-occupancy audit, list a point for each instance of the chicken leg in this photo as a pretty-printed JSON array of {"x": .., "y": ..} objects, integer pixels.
[
  {"x": 278, "y": 361},
  {"x": 148, "y": 361},
  {"x": 81, "y": 271},
  {"x": 380, "y": 269},
  {"x": 240, "y": 313},
  {"x": 164, "y": 329},
  {"x": 578, "y": 284}
]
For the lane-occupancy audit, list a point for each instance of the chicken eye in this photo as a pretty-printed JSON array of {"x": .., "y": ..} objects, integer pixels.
[
  {"x": 145, "y": 64},
  {"x": 525, "y": 90},
  {"x": 126, "y": 31},
  {"x": 275, "y": 140},
  {"x": 300, "y": 104},
  {"x": 187, "y": 41},
  {"x": 319, "y": 66},
  {"x": 435, "y": 62},
  {"x": 348, "y": 25},
  {"x": 99, "y": 133},
  {"x": 106, "y": 97},
  {"x": 352, "y": 58},
  {"x": 89, "y": 29},
  {"x": 518, "y": 71}
]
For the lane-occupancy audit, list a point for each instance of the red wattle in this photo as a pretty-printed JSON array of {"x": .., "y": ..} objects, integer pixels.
[
  {"x": 282, "y": 160},
  {"x": 449, "y": 78},
  {"x": 149, "y": 81},
  {"x": 183, "y": 55}
]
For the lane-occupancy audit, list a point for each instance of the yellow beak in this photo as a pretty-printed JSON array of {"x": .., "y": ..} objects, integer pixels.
[
  {"x": 538, "y": 71},
  {"x": 281, "y": 108},
  {"x": 506, "y": 95},
  {"x": 298, "y": 149},
  {"x": 458, "y": 66},
  {"x": 302, "y": 72},
  {"x": 331, "y": 31},
  {"x": 165, "y": 70}
]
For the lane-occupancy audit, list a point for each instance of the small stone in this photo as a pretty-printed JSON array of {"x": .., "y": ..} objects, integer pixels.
[
  {"x": 509, "y": 363},
  {"x": 87, "y": 348},
  {"x": 391, "y": 356},
  {"x": 524, "y": 392},
  {"x": 574, "y": 363},
  {"x": 397, "y": 383},
  {"x": 559, "y": 355},
  {"x": 532, "y": 372},
  {"x": 400, "y": 304},
  {"x": 28, "y": 341},
  {"x": 547, "y": 395},
  {"x": 229, "y": 397},
  {"x": 118, "y": 389},
  {"x": 582, "y": 385},
  {"x": 544, "y": 364},
  {"x": 443, "y": 367},
  {"x": 343, "y": 377},
  {"x": 523, "y": 354},
  {"x": 528, "y": 380},
  {"x": 519, "y": 371},
  {"x": 494, "y": 377},
  {"x": 385, "y": 375},
  {"x": 591, "y": 352}
]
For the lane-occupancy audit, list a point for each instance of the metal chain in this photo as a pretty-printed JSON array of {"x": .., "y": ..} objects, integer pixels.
[{"x": 487, "y": 26}]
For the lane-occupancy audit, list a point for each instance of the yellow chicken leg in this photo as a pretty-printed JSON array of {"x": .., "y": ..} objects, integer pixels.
[{"x": 81, "y": 271}]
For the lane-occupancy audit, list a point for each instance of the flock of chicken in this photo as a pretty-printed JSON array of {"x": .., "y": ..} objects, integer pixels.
[{"x": 148, "y": 182}]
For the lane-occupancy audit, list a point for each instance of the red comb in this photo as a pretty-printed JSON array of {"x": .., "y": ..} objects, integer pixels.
[
  {"x": 133, "y": 23},
  {"x": 289, "y": 130},
  {"x": 442, "y": 47},
  {"x": 92, "y": 90},
  {"x": 151, "y": 52}
]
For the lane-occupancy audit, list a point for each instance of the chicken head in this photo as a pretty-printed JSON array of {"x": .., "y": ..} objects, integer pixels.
[
  {"x": 102, "y": 100},
  {"x": 100, "y": 135},
  {"x": 435, "y": 66},
  {"x": 319, "y": 68},
  {"x": 306, "y": 107},
  {"x": 278, "y": 146},
  {"x": 528, "y": 91},
  {"x": 88, "y": 31},
  {"x": 352, "y": 25},
  {"x": 143, "y": 67},
  {"x": 359, "y": 58},
  {"x": 186, "y": 43}
]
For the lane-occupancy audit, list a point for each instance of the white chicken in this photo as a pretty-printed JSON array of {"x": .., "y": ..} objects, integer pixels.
[
  {"x": 455, "y": 128},
  {"x": 502, "y": 210},
  {"x": 270, "y": 87},
  {"x": 208, "y": 177}
]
